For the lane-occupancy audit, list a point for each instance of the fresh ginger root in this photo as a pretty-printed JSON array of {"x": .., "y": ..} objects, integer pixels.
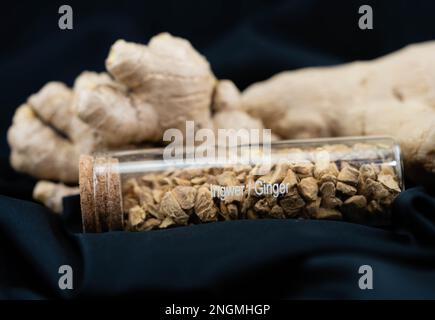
[
  {"x": 393, "y": 95},
  {"x": 51, "y": 194},
  {"x": 148, "y": 89},
  {"x": 227, "y": 105}
]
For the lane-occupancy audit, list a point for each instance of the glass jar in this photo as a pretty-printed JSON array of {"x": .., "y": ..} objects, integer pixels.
[{"x": 353, "y": 179}]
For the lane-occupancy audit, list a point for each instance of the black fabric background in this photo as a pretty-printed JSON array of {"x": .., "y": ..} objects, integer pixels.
[{"x": 245, "y": 41}]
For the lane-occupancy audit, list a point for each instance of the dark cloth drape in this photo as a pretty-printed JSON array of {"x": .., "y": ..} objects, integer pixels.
[{"x": 246, "y": 41}]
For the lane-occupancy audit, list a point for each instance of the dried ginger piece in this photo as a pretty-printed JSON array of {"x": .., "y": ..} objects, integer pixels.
[
  {"x": 145, "y": 196},
  {"x": 389, "y": 182},
  {"x": 167, "y": 222},
  {"x": 308, "y": 188},
  {"x": 185, "y": 196},
  {"x": 204, "y": 207},
  {"x": 356, "y": 201},
  {"x": 170, "y": 207},
  {"x": 250, "y": 214},
  {"x": 228, "y": 211},
  {"x": 190, "y": 173},
  {"x": 248, "y": 202},
  {"x": 328, "y": 178},
  {"x": 277, "y": 212},
  {"x": 348, "y": 175},
  {"x": 303, "y": 169},
  {"x": 355, "y": 208},
  {"x": 182, "y": 182},
  {"x": 324, "y": 213},
  {"x": 375, "y": 190},
  {"x": 227, "y": 178},
  {"x": 368, "y": 171},
  {"x": 241, "y": 168},
  {"x": 329, "y": 171},
  {"x": 262, "y": 207},
  {"x": 387, "y": 169},
  {"x": 374, "y": 207},
  {"x": 149, "y": 224},
  {"x": 323, "y": 164},
  {"x": 157, "y": 195},
  {"x": 154, "y": 210},
  {"x": 241, "y": 177},
  {"x": 331, "y": 202},
  {"x": 312, "y": 207},
  {"x": 198, "y": 180},
  {"x": 271, "y": 200},
  {"x": 233, "y": 212},
  {"x": 327, "y": 189},
  {"x": 346, "y": 189},
  {"x": 291, "y": 179},
  {"x": 276, "y": 175},
  {"x": 136, "y": 216},
  {"x": 150, "y": 180},
  {"x": 292, "y": 203}
]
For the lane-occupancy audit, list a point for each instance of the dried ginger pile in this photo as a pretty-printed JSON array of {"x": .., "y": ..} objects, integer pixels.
[{"x": 320, "y": 188}]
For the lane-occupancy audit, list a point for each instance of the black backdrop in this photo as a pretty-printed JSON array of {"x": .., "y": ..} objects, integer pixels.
[{"x": 245, "y": 41}]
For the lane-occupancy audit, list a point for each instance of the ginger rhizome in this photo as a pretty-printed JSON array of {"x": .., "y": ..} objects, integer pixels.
[
  {"x": 393, "y": 95},
  {"x": 51, "y": 194},
  {"x": 146, "y": 90}
]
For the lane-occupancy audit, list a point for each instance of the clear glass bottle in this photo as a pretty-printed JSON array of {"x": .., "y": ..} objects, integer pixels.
[{"x": 353, "y": 179}]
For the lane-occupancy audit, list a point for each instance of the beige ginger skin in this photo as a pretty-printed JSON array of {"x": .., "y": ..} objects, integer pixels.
[
  {"x": 392, "y": 95},
  {"x": 146, "y": 90}
]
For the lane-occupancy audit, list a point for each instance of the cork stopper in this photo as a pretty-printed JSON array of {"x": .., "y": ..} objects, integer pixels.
[
  {"x": 114, "y": 201},
  {"x": 87, "y": 193},
  {"x": 100, "y": 194}
]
